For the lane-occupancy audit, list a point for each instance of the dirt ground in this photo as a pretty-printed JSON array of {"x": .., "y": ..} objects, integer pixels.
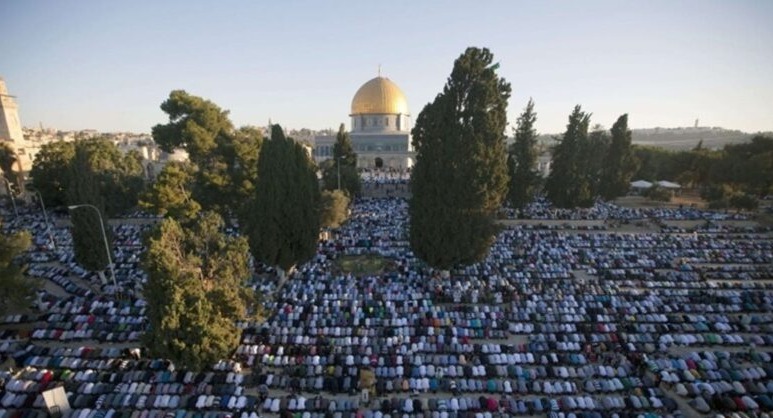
[{"x": 686, "y": 199}]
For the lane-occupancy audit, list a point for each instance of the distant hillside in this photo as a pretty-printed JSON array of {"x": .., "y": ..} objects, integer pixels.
[
  {"x": 687, "y": 138},
  {"x": 681, "y": 138}
]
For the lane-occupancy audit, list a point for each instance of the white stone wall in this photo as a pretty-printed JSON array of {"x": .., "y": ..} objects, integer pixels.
[
  {"x": 10, "y": 128},
  {"x": 380, "y": 123},
  {"x": 397, "y": 161}
]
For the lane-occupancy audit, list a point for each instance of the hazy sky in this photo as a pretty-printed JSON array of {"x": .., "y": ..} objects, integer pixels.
[{"x": 108, "y": 65}]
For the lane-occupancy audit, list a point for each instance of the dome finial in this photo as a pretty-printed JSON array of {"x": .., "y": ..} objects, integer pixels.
[{"x": 379, "y": 70}]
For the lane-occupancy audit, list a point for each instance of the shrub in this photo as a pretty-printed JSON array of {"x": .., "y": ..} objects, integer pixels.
[{"x": 744, "y": 201}]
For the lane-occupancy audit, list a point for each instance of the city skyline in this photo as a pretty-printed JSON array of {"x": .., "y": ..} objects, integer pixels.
[{"x": 108, "y": 66}]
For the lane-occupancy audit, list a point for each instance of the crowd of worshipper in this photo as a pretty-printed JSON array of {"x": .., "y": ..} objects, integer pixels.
[
  {"x": 541, "y": 208},
  {"x": 579, "y": 323},
  {"x": 385, "y": 175},
  {"x": 389, "y": 182}
]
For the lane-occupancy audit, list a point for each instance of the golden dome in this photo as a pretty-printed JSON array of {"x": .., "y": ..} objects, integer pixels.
[{"x": 379, "y": 96}]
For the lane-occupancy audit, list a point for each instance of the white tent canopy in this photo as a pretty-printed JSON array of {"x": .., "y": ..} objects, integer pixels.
[
  {"x": 641, "y": 184},
  {"x": 668, "y": 185}
]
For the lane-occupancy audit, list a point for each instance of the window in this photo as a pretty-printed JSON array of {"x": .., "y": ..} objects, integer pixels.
[{"x": 386, "y": 121}]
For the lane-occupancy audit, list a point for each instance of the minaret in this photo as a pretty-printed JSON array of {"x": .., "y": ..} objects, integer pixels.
[{"x": 10, "y": 127}]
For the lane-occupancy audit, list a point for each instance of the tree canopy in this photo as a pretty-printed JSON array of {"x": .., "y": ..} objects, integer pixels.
[
  {"x": 522, "y": 160},
  {"x": 745, "y": 168},
  {"x": 195, "y": 124},
  {"x": 460, "y": 178},
  {"x": 17, "y": 290},
  {"x": 619, "y": 163},
  {"x": 334, "y": 207},
  {"x": 224, "y": 158},
  {"x": 84, "y": 188},
  {"x": 342, "y": 168},
  {"x": 171, "y": 194},
  {"x": 50, "y": 172},
  {"x": 196, "y": 290},
  {"x": 8, "y": 158},
  {"x": 568, "y": 184},
  {"x": 117, "y": 178},
  {"x": 283, "y": 221}
]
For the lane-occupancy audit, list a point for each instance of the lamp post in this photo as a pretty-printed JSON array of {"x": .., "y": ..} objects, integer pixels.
[
  {"x": 10, "y": 194},
  {"x": 104, "y": 237},
  {"x": 45, "y": 217}
]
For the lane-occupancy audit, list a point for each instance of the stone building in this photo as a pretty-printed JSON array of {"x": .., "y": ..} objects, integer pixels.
[
  {"x": 380, "y": 128},
  {"x": 10, "y": 129}
]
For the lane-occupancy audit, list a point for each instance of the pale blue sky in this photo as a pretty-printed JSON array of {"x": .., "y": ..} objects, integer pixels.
[{"x": 108, "y": 65}]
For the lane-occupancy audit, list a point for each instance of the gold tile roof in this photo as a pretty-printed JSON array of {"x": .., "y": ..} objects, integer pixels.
[{"x": 379, "y": 96}]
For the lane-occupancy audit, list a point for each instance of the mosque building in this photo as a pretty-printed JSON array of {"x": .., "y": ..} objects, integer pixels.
[{"x": 380, "y": 128}]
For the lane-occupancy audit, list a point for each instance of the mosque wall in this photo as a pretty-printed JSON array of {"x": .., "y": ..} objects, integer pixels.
[{"x": 381, "y": 123}]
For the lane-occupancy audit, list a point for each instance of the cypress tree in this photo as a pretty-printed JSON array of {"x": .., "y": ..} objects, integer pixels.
[
  {"x": 522, "y": 160},
  {"x": 283, "y": 226},
  {"x": 619, "y": 164},
  {"x": 567, "y": 186},
  {"x": 342, "y": 168},
  {"x": 460, "y": 178},
  {"x": 593, "y": 153},
  {"x": 84, "y": 188}
]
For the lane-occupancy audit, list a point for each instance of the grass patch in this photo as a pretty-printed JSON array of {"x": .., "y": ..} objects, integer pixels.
[{"x": 362, "y": 265}]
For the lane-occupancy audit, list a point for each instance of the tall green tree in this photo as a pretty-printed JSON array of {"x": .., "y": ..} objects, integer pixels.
[
  {"x": 283, "y": 228},
  {"x": 196, "y": 290},
  {"x": 119, "y": 177},
  {"x": 460, "y": 178},
  {"x": 750, "y": 165},
  {"x": 195, "y": 124},
  {"x": 171, "y": 194},
  {"x": 343, "y": 149},
  {"x": 18, "y": 291},
  {"x": 84, "y": 188},
  {"x": 522, "y": 160},
  {"x": 50, "y": 172},
  {"x": 122, "y": 184},
  {"x": 619, "y": 163},
  {"x": 655, "y": 163},
  {"x": 225, "y": 158},
  {"x": 241, "y": 156},
  {"x": 341, "y": 170},
  {"x": 592, "y": 153},
  {"x": 568, "y": 185}
]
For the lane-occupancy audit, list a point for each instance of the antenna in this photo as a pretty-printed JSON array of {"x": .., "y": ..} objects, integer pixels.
[{"x": 379, "y": 70}]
